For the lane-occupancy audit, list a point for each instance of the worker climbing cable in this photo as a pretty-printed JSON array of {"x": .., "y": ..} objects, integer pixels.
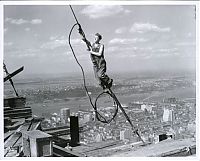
[
  {"x": 99, "y": 64},
  {"x": 99, "y": 116},
  {"x": 97, "y": 56}
]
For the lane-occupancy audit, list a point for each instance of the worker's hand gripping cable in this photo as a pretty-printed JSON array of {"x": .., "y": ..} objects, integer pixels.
[{"x": 80, "y": 30}]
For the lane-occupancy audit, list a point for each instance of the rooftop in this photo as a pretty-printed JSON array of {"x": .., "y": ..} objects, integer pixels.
[{"x": 167, "y": 147}]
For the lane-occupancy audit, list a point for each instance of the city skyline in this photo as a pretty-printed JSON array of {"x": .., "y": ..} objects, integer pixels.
[{"x": 141, "y": 37}]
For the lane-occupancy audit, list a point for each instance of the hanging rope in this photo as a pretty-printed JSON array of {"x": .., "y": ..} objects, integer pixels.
[{"x": 98, "y": 115}]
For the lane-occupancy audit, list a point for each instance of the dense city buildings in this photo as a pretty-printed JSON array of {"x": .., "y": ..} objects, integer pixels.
[{"x": 152, "y": 119}]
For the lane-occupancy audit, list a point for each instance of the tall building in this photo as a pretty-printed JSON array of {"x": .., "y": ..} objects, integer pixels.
[
  {"x": 94, "y": 116},
  {"x": 125, "y": 134},
  {"x": 168, "y": 115},
  {"x": 87, "y": 117},
  {"x": 65, "y": 115},
  {"x": 98, "y": 138},
  {"x": 147, "y": 107}
]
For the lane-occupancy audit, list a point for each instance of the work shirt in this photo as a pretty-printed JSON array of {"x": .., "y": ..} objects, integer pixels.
[{"x": 97, "y": 60}]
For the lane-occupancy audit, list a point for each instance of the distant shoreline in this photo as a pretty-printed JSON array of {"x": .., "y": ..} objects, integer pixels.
[{"x": 75, "y": 105}]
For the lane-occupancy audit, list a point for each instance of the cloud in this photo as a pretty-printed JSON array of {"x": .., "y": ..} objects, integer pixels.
[
  {"x": 130, "y": 51},
  {"x": 99, "y": 11},
  {"x": 6, "y": 44},
  {"x": 147, "y": 27},
  {"x": 112, "y": 49},
  {"x": 36, "y": 35},
  {"x": 59, "y": 41},
  {"x": 147, "y": 56},
  {"x": 36, "y": 21},
  {"x": 18, "y": 52},
  {"x": 76, "y": 41},
  {"x": 185, "y": 44},
  {"x": 127, "y": 41},
  {"x": 21, "y": 21},
  {"x": 189, "y": 35},
  {"x": 27, "y": 29},
  {"x": 53, "y": 44},
  {"x": 53, "y": 37},
  {"x": 145, "y": 52},
  {"x": 141, "y": 28},
  {"x": 5, "y": 30},
  {"x": 16, "y": 21},
  {"x": 121, "y": 30},
  {"x": 29, "y": 55},
  {"x": 160, "y": 53},
  {"x": 166, "y": 50}
]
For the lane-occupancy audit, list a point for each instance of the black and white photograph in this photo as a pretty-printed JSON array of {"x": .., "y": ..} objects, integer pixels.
[{"x": 100, "y": 79}]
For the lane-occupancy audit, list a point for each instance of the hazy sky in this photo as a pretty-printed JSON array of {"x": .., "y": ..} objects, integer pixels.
[{"x": 136, "y": 38}]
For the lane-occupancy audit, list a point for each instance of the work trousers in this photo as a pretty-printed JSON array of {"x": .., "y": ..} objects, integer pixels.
[{"x": 100, "y": 74}]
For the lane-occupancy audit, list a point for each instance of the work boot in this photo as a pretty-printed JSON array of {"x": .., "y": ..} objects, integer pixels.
[
  {"x": 102, "y": 85},
  {"x": 110, "y": 83},
  {"x": 105, "y": 88}
]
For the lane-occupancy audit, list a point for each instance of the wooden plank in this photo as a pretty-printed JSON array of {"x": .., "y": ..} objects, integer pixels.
[
  {"x": 15, "y": 102},
  {"x": 7, "y": 110}
]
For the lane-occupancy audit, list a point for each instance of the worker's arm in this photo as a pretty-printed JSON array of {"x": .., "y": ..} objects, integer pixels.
[
  {"x": 87, "y": 42},
  {"x": 97, "y": 53},
  {"x": 84, "y": 38}
]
